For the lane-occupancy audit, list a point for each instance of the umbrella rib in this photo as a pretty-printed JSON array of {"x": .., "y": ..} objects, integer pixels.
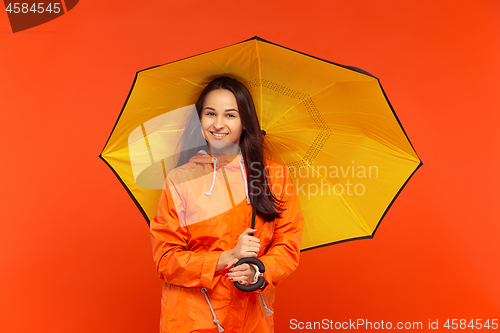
[
  {"x": 328, "y": 123},
  {"x": 222, "y": 69},
  {"x": 395, "y": 148},
  {"x": 308, "y": 97},
  {"x": 145, "y": 137},
  {"x": 191, "y": 82},
  {"x": 277, "y": 150},
  {"x": 260, "y": 79},
  {"x": 382, "y": 142},
  {"x": 313, "y": 130},
  {"x": 403, "y": 154},
  {"x": 319, "y": 91}
]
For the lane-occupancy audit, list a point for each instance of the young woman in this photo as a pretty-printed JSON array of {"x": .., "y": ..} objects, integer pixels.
[{"x": 203, "y": 223}]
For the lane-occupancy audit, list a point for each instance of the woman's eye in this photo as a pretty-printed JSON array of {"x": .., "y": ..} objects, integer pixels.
[
  {"x": 209, "y": 113},
  {"x": 231, "y": 115}
]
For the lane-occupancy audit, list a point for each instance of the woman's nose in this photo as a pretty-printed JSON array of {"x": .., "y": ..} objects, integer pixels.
[{"x": 219, "y": 123}]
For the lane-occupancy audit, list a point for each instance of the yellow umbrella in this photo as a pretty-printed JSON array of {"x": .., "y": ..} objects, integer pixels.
[{"x": 331, "y": 125}]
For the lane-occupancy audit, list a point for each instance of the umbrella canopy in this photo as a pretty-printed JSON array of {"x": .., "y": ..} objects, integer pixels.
[{"x": 331, "y": 125}]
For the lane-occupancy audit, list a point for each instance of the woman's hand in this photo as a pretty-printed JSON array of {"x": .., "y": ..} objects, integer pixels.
[
  {"x": 247, "y": 246},
  {"x": 243, "y": 274}
]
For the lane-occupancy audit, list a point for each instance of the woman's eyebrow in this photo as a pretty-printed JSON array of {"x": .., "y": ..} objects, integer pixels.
[{"x": 227, "y": 110}]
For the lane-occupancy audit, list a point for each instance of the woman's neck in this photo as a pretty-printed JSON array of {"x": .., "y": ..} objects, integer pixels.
[{"x": 231, "y": 149}]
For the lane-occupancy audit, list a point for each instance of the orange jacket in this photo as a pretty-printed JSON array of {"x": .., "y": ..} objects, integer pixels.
[{"x": 200, "y": 214}]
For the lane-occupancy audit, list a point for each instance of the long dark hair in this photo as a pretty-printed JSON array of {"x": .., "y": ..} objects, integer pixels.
[{"x": 251, "y": 144}]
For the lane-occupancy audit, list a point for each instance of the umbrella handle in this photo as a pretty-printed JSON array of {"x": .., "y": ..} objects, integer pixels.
[{"x": 260, "y": 282}]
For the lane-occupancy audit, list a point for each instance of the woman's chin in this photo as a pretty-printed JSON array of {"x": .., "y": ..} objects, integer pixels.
[{"x": 224, "y": 147}]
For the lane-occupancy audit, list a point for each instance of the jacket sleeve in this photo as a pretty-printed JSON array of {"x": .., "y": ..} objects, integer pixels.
[
  {"x": 175, "y": 264},
  {"x": 282, "y": 258}
]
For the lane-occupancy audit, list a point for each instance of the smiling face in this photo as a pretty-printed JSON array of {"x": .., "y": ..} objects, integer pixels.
[{"x": 220, "y": 120}]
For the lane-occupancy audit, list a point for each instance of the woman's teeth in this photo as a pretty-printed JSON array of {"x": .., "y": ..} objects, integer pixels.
[{"x": 219, "y": 135}]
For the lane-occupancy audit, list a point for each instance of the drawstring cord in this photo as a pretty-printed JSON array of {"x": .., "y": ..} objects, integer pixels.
[
  {"x": 204, "y": 290},
  {"x": 214, "y": 159},
  {"x": 268, "y": 311},
  {"x": 245, "y": 180},
  {"x": 209, "y": 193},
  {"x": 216, "y": 321}
]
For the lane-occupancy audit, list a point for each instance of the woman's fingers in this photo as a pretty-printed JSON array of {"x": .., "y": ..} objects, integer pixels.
[
  {"x": 240, "y": 268},
  {"x": 250, "y": 242},
  {"x": 246, "y": 235},
  {"x": 250, "y": 250},
  {"x": 243, "y": 273},
  {"x": 252, "y": 239},
  {"x": 247, "y": 246},
  {"x": 249, "y": 253}
]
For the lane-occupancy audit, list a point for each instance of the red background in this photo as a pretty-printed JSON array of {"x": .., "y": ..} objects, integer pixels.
[{"x": 75, "y": 252}]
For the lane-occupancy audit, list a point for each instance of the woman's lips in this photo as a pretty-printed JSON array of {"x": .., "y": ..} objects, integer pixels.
[{"x": 218, "y": 136}]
